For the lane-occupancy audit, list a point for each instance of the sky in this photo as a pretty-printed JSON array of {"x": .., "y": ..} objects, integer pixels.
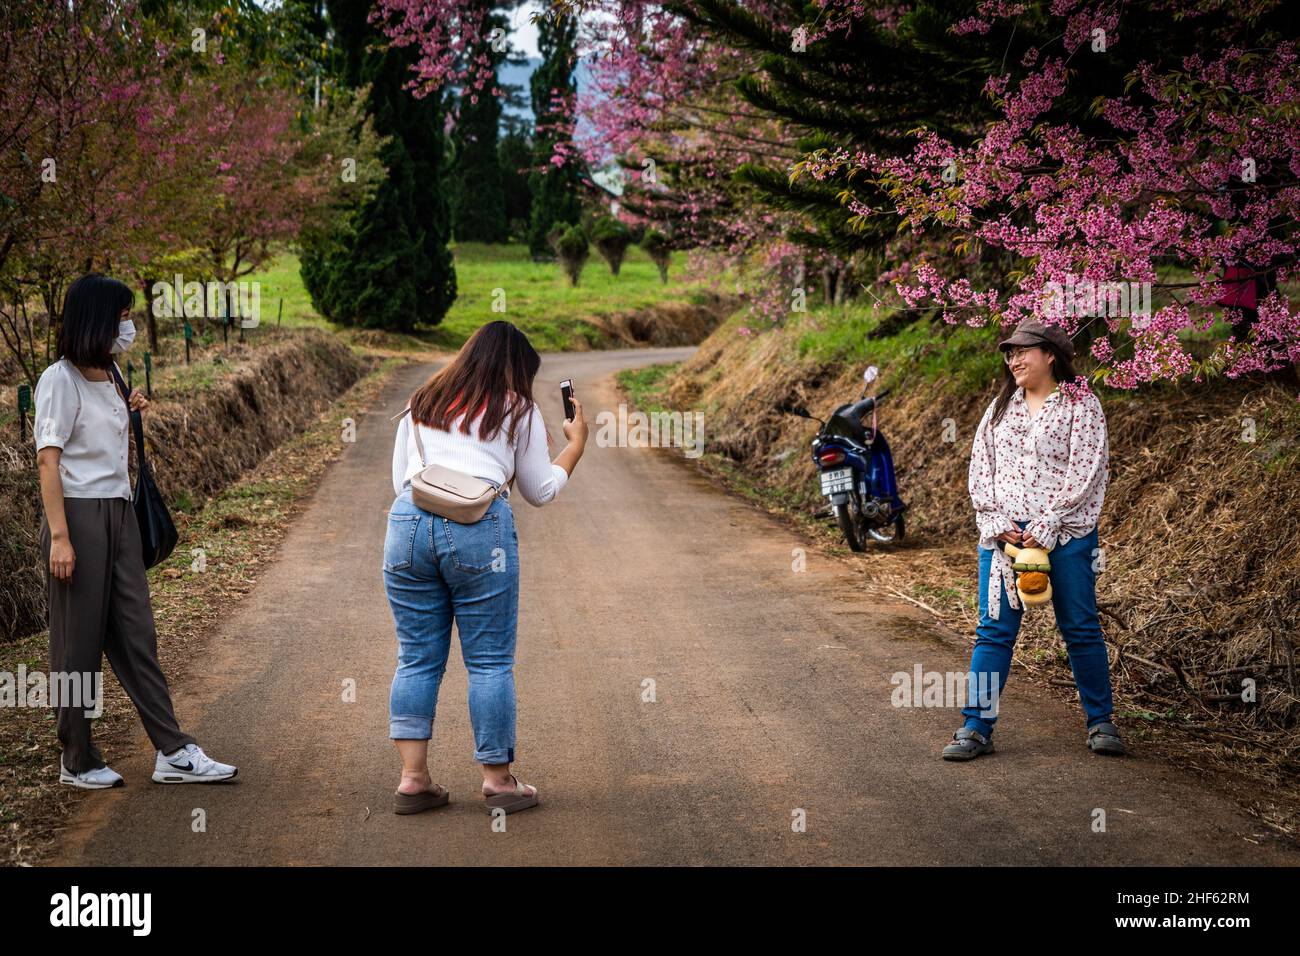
[{"x": 523, "y": 34}]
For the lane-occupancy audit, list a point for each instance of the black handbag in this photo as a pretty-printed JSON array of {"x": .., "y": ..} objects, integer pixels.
[{"x": 158, "y": 535}]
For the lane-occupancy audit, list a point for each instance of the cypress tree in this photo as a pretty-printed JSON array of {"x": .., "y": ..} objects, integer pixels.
[
  {"x": 389, "y": 267},
  {"x": 555, "y": 188},
  {"x": 478, "y": 194},
  {"x": 515, "y": 152}
]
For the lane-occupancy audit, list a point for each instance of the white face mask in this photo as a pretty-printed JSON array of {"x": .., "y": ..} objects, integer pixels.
[{"x": 125, "y": 336}]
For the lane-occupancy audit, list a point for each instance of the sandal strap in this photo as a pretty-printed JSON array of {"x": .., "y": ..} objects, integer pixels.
[
  {"x": 969, "y": 733},
  {"x": 520, "y": 790}
]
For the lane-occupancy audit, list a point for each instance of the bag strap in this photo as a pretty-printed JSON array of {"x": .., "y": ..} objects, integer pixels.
[
  {"x": 137, "y": 422},
  {"x": 419, "y": 447}
]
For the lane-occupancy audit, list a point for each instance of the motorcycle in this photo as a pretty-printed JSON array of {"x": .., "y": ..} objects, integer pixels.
[{"x": 857, "y": 469}]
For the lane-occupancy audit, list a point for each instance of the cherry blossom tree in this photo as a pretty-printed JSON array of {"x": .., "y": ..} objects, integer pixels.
[
  {"x": 1028, "y": 151},
  {"x": 1181, "y": 171}
]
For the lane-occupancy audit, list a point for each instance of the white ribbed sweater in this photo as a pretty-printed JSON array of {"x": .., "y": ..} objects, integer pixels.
[{"x": 527, "y": 461}]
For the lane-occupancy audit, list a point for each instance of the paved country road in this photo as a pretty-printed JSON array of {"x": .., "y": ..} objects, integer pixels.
[{"x": 772, "y": 695}]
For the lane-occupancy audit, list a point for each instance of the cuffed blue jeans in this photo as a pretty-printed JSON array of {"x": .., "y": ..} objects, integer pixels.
[
  {"x": 1074, "y": 597},
  {"x": 437, "y": 571}
]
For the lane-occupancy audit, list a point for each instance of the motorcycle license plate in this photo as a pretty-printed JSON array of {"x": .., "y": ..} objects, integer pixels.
[{"x": 839, "y": 480}]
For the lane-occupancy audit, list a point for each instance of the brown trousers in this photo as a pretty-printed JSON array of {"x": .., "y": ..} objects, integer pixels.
[{"x": 105, "y": 610}]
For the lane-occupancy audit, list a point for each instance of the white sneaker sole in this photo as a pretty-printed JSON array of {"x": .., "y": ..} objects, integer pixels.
[
  {"x": 83, "y": 785},
  {"x": 180, "y": 776}
]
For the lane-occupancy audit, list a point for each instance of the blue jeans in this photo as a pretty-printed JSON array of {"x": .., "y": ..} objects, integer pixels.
[
  {"x": 435, "y": 571},
  {"x": 1074, "y": 597}
]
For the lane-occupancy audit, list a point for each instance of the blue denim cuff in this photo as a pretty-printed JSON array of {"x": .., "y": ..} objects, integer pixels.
[{"x": 410, "y": 727}]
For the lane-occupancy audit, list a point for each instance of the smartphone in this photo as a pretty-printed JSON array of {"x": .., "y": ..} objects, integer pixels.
[{"x": 566, "y": 393}]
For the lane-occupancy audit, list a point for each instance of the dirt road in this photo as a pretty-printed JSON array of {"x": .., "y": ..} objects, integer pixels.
[{"x": 771, "y": 698}]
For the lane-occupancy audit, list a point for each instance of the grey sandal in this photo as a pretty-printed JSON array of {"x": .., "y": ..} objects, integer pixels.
[
  {"x": 967, "y": 744},
  {"x": 1103, "y": 738},
  {"x": 404, "y": 803}
]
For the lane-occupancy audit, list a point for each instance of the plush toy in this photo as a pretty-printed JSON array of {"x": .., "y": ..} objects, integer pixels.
[{"x": 1032, "y": 569}]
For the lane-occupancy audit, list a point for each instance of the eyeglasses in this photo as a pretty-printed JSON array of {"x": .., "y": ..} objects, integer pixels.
[{"x": 1010, "y": 355}]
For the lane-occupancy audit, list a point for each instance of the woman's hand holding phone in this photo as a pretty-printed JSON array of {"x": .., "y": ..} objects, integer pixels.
[{"x": 575, "y": 429}]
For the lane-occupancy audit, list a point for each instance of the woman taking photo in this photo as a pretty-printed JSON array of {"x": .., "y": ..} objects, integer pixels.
[
  {"x": 90, "y": 542},
  {"x": 1038, "y": 473},
  {"x": 476, "y": 416}
]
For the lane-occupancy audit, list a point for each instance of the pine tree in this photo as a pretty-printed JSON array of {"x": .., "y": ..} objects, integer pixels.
[
  {"x": 867, "y": 88},
  {"x": 861, "y": 89},
  {"x": 389, "y": 267},
  {"x": 515, "y": 152},
  {"x": 556, "y": 189},
  {"x": 478, "y": 193}
]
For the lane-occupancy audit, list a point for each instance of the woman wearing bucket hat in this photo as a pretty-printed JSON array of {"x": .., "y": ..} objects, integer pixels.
[{"x": 1038, "y": 474}]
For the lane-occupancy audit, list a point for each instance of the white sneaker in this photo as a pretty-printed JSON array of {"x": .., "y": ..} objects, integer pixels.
[
  {"x": 99, "y": 779},
  {"x": 190, "y": 765}
]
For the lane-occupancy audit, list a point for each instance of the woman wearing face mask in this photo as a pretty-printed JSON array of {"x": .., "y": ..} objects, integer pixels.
[
  {"x": 1038, "y": 475},
  {"x": 98, "y": 594}
]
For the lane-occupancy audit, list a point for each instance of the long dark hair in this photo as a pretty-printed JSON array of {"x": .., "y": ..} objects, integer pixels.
[
  {"x": 498, "y": 360},
  {"x": 1062, "y": 371},
  {"x": 92, "y": 310}
]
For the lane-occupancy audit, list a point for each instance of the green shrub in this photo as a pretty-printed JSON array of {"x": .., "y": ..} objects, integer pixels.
[
  {"x": 572, "y": 250},
  {"x": 655, "y": 244},
  {"x": 611, "y": 238}
]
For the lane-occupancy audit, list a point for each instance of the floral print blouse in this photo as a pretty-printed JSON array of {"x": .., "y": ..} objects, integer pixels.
[{"x": 1048, "y": 469}]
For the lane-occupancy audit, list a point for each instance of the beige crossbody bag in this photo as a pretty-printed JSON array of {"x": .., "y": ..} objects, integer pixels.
[{"x": 448, "y": 493}]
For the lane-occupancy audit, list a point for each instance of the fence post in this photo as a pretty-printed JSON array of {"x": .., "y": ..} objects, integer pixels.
[
  {"x": 279, "y": 312},
  {"x": 189, "y": 334},
  {"x": 24, "y": 403},
  {"x": 148, "y": 376}
]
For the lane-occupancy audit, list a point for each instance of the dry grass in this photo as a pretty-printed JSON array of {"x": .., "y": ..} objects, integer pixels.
[
  {"x": 664, "y": 325},
  {"x": 208, "y": 424},
  {"x": 1200, "y": 537},
  {"x": 240, "y": 529}
]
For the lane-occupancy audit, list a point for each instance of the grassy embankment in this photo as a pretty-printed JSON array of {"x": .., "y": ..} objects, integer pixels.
[
  {"x": 537, "y": 298},
  {"x": 239, "y": 506},
  {"x": 1193, "y": 602},
  {"x": 239, "y": 530},
  {"x": 240, "y": 406}
]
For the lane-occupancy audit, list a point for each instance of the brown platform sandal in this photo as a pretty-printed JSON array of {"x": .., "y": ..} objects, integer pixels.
[
  {"x": 424, "y": 800},
  {"x": 523, "y": 797}
]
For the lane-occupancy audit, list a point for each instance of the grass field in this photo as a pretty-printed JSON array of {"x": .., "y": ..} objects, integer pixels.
[{"x": 535, "y": 296}]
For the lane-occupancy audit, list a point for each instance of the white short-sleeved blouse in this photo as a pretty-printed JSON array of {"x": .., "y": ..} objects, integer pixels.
[{"x": 89, "y": 421}]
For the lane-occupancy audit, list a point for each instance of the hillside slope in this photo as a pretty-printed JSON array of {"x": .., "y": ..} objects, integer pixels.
[
  {"x": 1200, "y": 535},
  {"x": 199, "y": 438}
]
